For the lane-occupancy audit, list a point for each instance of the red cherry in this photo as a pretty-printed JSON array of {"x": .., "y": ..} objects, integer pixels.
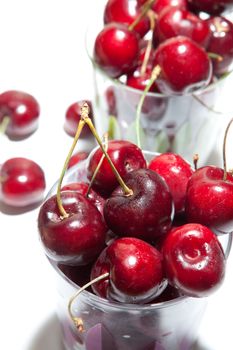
[
  {"x": 126, "y": 157},
  {"x": 145, "y": 214},
  {"x": 135, "y": 271},
  {"x": 23, "y": 111},
  {"x": 93, "y": 197},
  {"x": 160, "y": 5},
  {"x": 77, "y": 157},
  {"x": 116, "y": 49},
  {"x": 221, "y": 43},
  {"x": 194, "y": 261},
  {"x": 77, "y": 239},
  {"x": 176, "y": 172},
  {"x": 139, "y": 81},
  {"x": 174, "y": 21},
  {"x": 212, "y": 7},
  {"x": 185, "y": 66},
  {"x": 73, "y": 116},
  {"x": 22, "y": 182},
  {"x": 111, "y": 102},
  {"x": 209, "y": 199},
  {"x": 126, "y": 12}
]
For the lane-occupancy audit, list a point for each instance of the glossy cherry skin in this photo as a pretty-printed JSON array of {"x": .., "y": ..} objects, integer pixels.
[
  {"x": 126, "y": 12},
  {"x": 126, "y": 157},
  {"x": 22, "y": 182},
  {"x": 93, "y": 197},
  {"x": 209, "y": 199},
  {"x": 73, "y": 116},
  {"x": 174, "y": 21},
  {"x": 212, "y": 7},
  {"x": 147, "y": 213},
  {"x": 76, "y": 240},
  {"x": 135, "y": 271},
  {"x": 77, "y": 158},
  {"x": 185, "y": 66},
  {"x": 221, "y": 43},
  {"x": 23, "y": 111},
  {"x": 176, "y": 172},
  {"x": 116, "y": 49},
  {"x": 194, "y": 260},
  {"x": 159, "y": 5}
]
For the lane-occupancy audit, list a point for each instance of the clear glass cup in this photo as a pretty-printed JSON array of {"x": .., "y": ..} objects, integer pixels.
[
  {"x": 186, "y": 124},
  {"x": 169, "y": 325}
]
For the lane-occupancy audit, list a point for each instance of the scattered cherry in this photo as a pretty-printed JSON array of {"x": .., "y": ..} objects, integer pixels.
[{"x": 72, "y": 118}]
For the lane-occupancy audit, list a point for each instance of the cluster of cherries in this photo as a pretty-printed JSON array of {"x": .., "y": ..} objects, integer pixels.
[
  {"x": 139, "y": 230},
  {"x": 189, "y": 41}
]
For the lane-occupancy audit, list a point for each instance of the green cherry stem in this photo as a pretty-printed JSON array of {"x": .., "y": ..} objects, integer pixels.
[
  {"x": 59, "y": 201},
  {"x": 4, "y": 124},
  {"x": 87, "y": 120},
  {"x": 78, "y": 322},
  {"x": 145, "y": 9},
  {"x": 154, "y": 75},
  {"x": 151, "y": 16},
  {"x": 224, "y": 150}
]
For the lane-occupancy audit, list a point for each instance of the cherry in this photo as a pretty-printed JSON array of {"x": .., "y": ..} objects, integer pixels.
[
  {"x": 185, "y": 66},
  {"x": 77, "y": 157},
  {"x": 139, "y": 80},
  {"x": 212, "y": 7},
  {"x": 91, "y": 195},
  {"x": 160, "y": 5},
  {"x": 174, "y": 21},
  {"x": 110, "y": 97},
  {"x": 76, "y": 239},
  {"x": 72, "y": 118},
  {"x": 22, "y": 182},
  {"x": 176, "y": 172},
  {"x": 23, "y": 111},
  {"x": 147, "y": 213},
  {"x": 209, "y": 199},
  {"x": 125, "y": 156},
  {"x": 194, "y": 260},
  {"x": 116, "y": 49},
  {"x": 221, "y": 43},
  {"x": 135, "y": 271},
  {"x": 80, "y": 275},
  {"x": 126, "y": 12}
]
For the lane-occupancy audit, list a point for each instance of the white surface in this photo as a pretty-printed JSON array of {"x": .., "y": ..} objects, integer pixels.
[{"x": 42, "y": 52}]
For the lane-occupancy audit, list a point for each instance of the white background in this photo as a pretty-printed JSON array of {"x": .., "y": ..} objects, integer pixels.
[{"x": 42, "y": 52}]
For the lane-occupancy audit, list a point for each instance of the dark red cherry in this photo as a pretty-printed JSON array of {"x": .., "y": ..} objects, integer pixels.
[
  {"x": 126, "y": 12},
  {"x": 160, "y": 5},
  {"x": 176, "y": 172},
  {"x": 174, "y": 21},
  {"x": 77, "y": 239},
  {"x": 209, "y": 199},
  {"x": 116, "y": 49},
  {"x": 194, "y": 260},
  {"x": 185, "y": 66},
  {"x": 135, "y": 271},
  {"x": 126, "y": 157},
  {"x": 147, "y": 213},
  {"x": 93, "y": 197},
  {"x": 139, "y": 80},
  {"x": 22, "y": 182},
  {"x": 23, "y": 111},
  {"x": 221, "y": 43},
  {"x": 77, "y": 157},
  {"x": 73, "y": 116},
  {"x": 212, "y": 7}
]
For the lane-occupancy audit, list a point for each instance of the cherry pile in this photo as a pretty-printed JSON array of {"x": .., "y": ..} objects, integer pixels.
[
  {"x": 191, "y": 42},
  {"x": 130, "y": 227}
]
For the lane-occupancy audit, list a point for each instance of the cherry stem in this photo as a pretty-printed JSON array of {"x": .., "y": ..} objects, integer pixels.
[
  {"x": 224, "y": 150},
  {"x": 215, "y": 56},
  {"x": 151, "y": 16},
  {"x": 154, "y": 75},
  {"x": 105, "y": 138},
  {"x": 145, "y": 8},
  {"x": 78, "y": 322},
  {"x": 4, "y": 124},
  {"x": 87, "y": 120},
  {"x": 195, "y": 160},
  {"x": 59, "y": 201}
]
